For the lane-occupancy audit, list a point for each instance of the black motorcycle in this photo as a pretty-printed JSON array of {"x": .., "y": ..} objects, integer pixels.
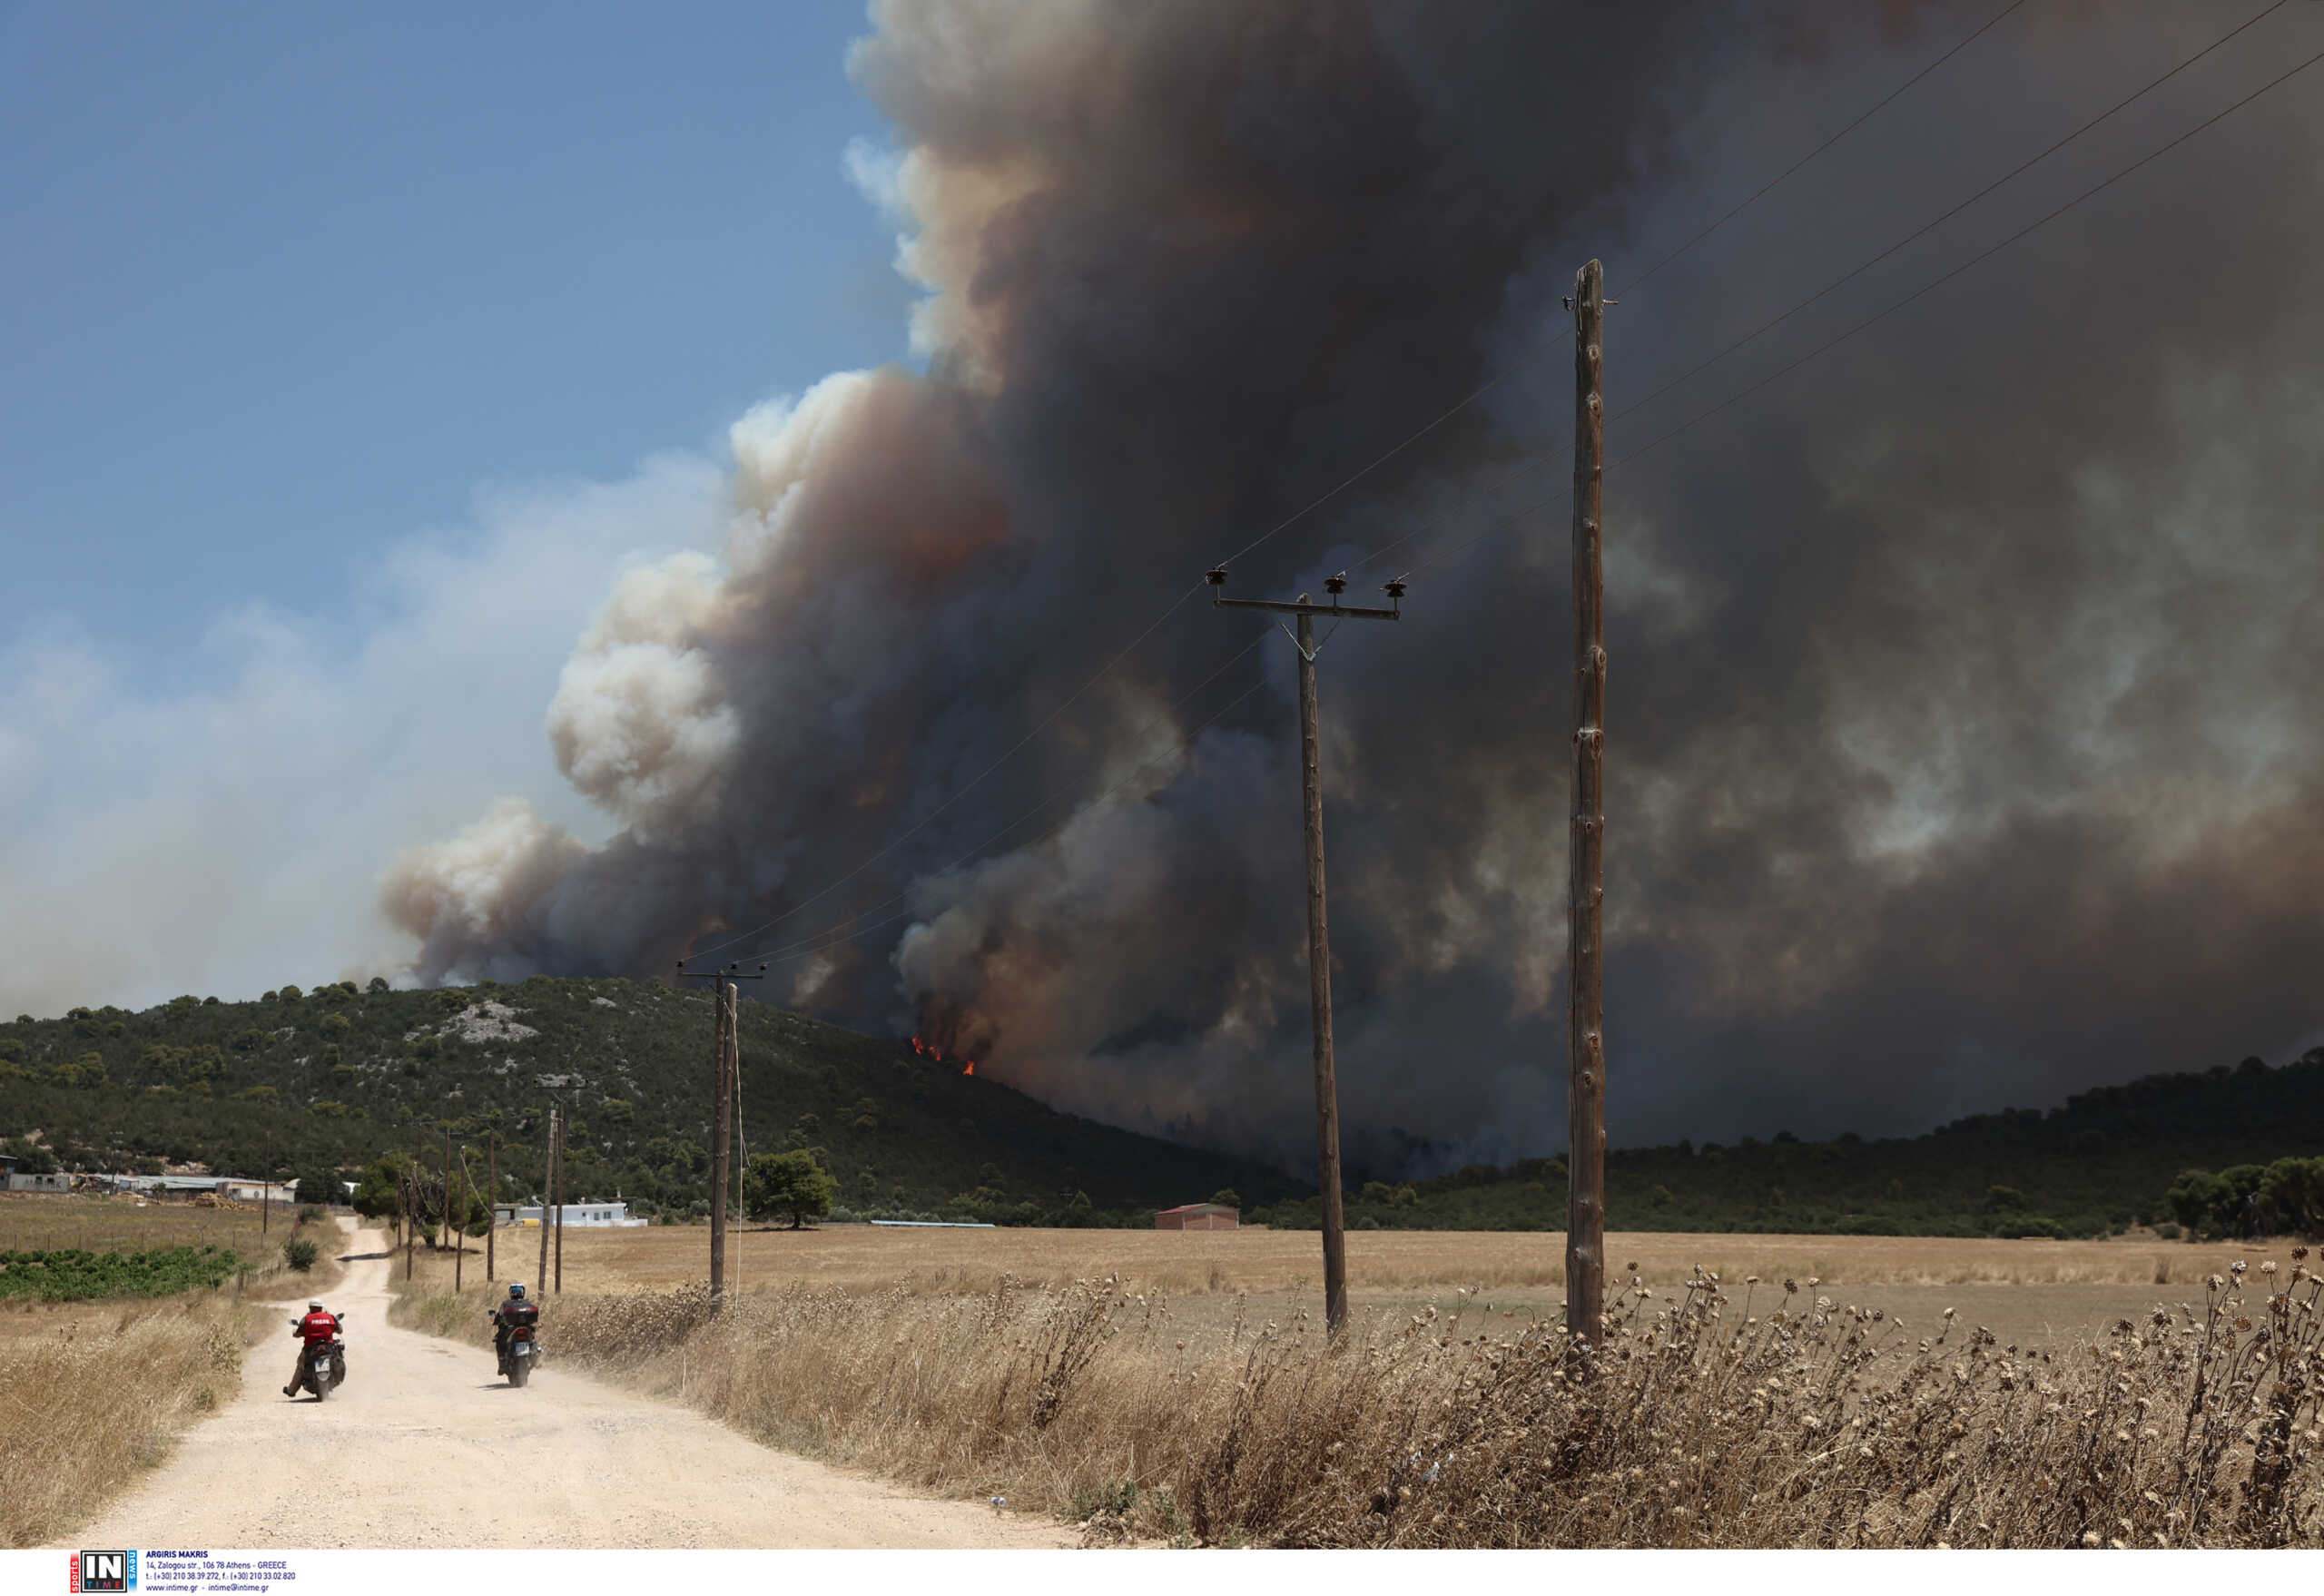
[
  {"x": 520, "y": 1347},
  {"x": 322, "y": 1366}
]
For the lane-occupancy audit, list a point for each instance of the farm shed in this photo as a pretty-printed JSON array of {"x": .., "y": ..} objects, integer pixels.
[
  {"x": 18, "y": 1181},
  {"x": 1198, "y": 1216}
]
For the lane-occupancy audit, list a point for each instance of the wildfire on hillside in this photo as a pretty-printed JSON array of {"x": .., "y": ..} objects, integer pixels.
[
  {"x": 951, "y": 1036},
  {"x": 928, "y": 1049}
]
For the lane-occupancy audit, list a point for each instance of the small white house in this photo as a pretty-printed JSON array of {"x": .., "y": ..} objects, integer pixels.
[{"x": 575, "y": 1215}]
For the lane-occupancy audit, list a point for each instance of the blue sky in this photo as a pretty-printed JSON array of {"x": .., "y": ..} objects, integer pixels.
[
  {"x": 353, "y": 353},
  {"x": 288, "y": 284}
]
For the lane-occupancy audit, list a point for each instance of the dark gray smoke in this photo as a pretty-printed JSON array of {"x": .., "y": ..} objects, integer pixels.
[{"x": 1963, "y": 745}]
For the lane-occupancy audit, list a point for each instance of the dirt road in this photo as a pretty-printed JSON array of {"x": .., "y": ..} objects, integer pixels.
[{"x": 424, "y": 1446}]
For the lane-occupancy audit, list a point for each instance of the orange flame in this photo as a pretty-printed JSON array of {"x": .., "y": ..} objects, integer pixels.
[{"x": 969, "y": 1068}]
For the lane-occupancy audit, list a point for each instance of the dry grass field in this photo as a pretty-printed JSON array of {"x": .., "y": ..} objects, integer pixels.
[
  {"x": 34, "y": 1222},
  {"x": 1185, "y": 1263},
  {"x": 1175, "y": 1387},
  {"x": 95, "y": 1393}
]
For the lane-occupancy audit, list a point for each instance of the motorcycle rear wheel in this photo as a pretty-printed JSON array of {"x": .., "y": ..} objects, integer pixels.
[{"x": 519, "y": 1371}]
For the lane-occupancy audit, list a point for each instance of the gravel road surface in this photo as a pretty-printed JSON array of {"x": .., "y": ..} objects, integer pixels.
[{"x": 424, "y": 1446}]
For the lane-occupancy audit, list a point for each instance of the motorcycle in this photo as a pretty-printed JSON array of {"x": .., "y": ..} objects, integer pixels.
[
  {"x": 519, "y": 1351},
  {"x": 322, "y": 1366}
]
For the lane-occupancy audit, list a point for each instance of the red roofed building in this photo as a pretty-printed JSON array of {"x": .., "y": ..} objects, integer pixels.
[{"x": 1198, "y": 1216}]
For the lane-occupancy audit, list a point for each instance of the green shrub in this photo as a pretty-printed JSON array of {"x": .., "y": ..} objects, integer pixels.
[{"x": 298, "y": 1253}]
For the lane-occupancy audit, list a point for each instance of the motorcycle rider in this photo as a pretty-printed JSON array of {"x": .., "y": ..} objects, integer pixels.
[
  {"x": 316, "y": 1327},
  {"x": 510, "y": 1313}
]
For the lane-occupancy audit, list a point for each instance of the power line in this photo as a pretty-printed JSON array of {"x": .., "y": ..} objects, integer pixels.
[
  {"x": 1343, "y": 486},
  {"x": 838, "y": 936},
  {"x": 1764, "y": 189},
  {"x": 1472, "y": 396},
  {"x": 1984, "y": 254},
  {"x": 1861, "y": 268},
  {"x": 1494, "y": 381},
  {"x": 1510, "y": 518},
  {"x": 917, "y": 826},
  {"x": 1154, "y": 725},
  {"x": 1563, "y": 332}
]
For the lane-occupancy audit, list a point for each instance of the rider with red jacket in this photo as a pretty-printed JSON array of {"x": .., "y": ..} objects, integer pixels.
[{"x": 316, "y": 1327}]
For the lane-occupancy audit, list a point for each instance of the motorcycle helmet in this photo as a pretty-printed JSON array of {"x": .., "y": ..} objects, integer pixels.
[
  {"x": 314, "y": 1307},
  {"x": 515, "y": 1290}
]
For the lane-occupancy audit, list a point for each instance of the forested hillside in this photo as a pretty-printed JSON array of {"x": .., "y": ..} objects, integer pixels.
[
  {"x": 2097, "y": 1163},
  {"x": 336, "y": 1077}
]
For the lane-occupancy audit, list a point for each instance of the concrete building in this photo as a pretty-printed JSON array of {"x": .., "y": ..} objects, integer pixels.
[
  {"x": 19, "y": 1181},
  {"x": 1198, "y": 1216},
  {"x": 575, "y": 1216}
]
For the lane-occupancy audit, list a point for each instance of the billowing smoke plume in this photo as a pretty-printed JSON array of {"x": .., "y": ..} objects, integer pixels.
[{"x": 1964, "y": 745}]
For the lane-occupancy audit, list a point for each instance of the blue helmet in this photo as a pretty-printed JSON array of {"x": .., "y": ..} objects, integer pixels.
[{"x": 515, "y": 1289}]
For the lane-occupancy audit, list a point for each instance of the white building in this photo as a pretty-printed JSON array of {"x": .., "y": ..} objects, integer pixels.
[{"x": 575, "y": 1215}]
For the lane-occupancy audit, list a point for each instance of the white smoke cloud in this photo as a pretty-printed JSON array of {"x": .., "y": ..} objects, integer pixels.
[{"x": 222, "y": 831}]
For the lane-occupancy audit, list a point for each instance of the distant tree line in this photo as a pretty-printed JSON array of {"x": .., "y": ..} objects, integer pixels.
[{"x": 2243, "y": 1200}]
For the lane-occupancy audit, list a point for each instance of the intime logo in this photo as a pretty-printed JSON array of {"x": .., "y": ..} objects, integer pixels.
[{"x": 104, "y": 1570}]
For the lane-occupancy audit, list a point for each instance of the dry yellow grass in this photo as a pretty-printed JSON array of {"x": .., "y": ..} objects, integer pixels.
[
  {"x": 1728, "y": 1412},
  {"x": 33, "y": 1221},
  {"x": 95, "y": 1393},
  {"x": 866, "y": 1258}
]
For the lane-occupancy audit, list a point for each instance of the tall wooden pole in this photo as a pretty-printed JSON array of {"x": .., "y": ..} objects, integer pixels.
[
  {"x": 1319, "y": 941},
  {"x": 548, "y": 1175},
  {"x": 492, "y": 1193},
  {"x": 721, "y": 1133},
  {"x": 266, "y": 1188},
  {"x": 410, "y": 1212},
  {"x": 739, "y": 1171},
  {"x": 1585, "y": 1230},
  {"x": 447, "y": 1199},
  {"x": 560, "y": 1203},
  {"x": 1319, "y": 991},
  {"x": 460, "y": 1229}
]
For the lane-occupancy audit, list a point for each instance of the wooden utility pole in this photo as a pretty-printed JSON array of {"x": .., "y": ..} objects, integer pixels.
[
  {"x": 410, "y": 1212},
  {"x": 492, "y": 1192},
  {"x": 460, "y": 1230},
  {"x": 721, "y": 1133},
  {"x": 741, "y": 1168},
  {"x": 266, "y": 1188},
  {"x": 1319, "y": 991},
  {"x": 559, "y": 1286},
  {"x": 1319, "y": 941},
  {"x": 1585, "y": 1229},
  {"x": 548, "y": 1175},
  {"x": 724, "y": 1085},
  {"x": 448, "y": 1198}
]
